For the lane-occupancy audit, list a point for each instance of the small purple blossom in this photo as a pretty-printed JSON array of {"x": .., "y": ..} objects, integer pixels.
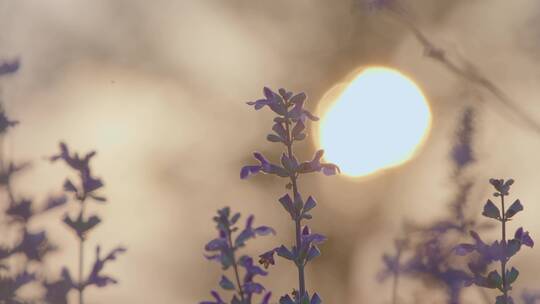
[
  {"x": 266, "y": 259},
  {"x": 9, "y": 67},
  {"x": 223, "y": 250}
]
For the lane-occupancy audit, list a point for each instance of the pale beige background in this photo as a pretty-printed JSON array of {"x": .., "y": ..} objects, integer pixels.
[{"x": 159, "y": 89}]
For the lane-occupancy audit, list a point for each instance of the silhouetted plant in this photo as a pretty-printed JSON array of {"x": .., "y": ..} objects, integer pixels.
[
  {"x": 289, "y": 127},
  {"x": 19, "y": 213},
  {"x": 530, "y": 297},
  {"x": 499, "y": 251},
  {"x": 424, "y": 253},
  {"x": 224, "y": 248},
  {"x": 84, "y": 191}
]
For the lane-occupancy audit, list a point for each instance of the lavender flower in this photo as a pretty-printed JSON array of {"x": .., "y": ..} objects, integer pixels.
[
  {"x": 86, "y": 188},
  {"x": 499, "y": 251},
  {"x": 428, "y": 248},
  {"x": 9, "y": 67},
  {"x": 224, "y": 248},
  {"x": 289, "y": 127}
]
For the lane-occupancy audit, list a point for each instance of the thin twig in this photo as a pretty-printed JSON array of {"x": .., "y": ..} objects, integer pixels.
[{"x": 468, "y": 71}]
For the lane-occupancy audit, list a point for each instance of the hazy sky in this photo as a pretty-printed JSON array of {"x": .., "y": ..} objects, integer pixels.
[{"x": 159, "y": 89}]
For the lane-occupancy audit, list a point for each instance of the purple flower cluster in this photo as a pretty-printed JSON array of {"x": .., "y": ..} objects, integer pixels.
[
  {"x": 289, "y": 127},
  {"x": 500, "y": 251},
  {"x": 224, "y": 248},
  {"x": 83, "y": 191},
  {"x": 428, "y": 249}
]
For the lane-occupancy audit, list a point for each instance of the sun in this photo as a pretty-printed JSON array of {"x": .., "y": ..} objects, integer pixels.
[{"x": 376, "y": 121}]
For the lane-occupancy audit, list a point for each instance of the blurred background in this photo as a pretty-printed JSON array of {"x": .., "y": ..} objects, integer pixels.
[{"x": 158, "y": 88}]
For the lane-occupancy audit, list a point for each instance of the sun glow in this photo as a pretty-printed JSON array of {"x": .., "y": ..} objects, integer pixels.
[{"x": 376, "y": 121}]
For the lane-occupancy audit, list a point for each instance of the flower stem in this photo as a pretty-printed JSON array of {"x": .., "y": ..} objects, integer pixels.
[
  {"x": 81, "y": 260},
  {"x": 503, "y": 262},
  {"x": 298, "y": 223},
  {"x": 234, "y": 264}
]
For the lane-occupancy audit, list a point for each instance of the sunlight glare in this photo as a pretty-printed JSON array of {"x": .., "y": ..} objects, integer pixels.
[{"x": 376, "y": 122}]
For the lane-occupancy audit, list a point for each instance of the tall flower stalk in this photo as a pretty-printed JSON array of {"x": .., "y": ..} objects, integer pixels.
[
  {"x": 500, "y": 251},
  {"x": 224, "y": 249},
  {"x": 289, "y": 128},
  {"x": 17, "y": 217},
  {"x": 82, "y": 192}
]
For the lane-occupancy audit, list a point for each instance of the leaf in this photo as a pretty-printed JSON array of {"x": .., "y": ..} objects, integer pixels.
[
  {"x": 494, "y": 280},
  {"x": 80, "y": 226},
  {"x": 243, "y": 237},
  {"x": 235, "y": 218},
  {"x": 491, "y": 211},
  {"x": 274, "y": 138},
  {"x": 313, "y": 253},
  {"x": 514, "y": 209},
  {"x": 264, "y": 230},
  {"x": 511, "y": 276},
  {"x": 252, "y": 287},
  {"x": 266, "y": 298},
  {"x": 290, "y": 164},
  {"x": 310, "y": 204},
  {"x": 512, "y": 247},
  {"x": 315, "y": 299},
  {"x": 287, "y": 204},
  {"x": 69, "y": 187},
  {"x": 297, "y": 131},
  {"x": 226, "y": 284},
  {"x": 284, "y": 252},
  {"x": 234, "y": 300},
  {"x": 216, "y": 244},
  {"x": 300, "y": 136},
  {"x": 286, "y": 299}
]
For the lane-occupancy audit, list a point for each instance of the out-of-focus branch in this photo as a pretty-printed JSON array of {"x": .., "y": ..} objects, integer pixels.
[{"x": 465, "y": 70}]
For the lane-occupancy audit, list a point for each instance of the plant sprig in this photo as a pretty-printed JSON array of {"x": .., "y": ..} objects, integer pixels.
[
  {"x": 289, "y": 127},
  {"x": 500, "y": 251}
]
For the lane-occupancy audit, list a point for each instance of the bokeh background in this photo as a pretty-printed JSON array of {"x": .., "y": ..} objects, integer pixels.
[{"x": 159, "y": 87}]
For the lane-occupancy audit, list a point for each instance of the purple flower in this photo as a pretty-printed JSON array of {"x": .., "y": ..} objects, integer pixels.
[
  {"x": 217, "y": 299},
  {"x": 9, "y": 67},
  {"x": 266, "y": 259},
  {"x": 272, "y": 100},
  {"x": 250, "y": 232},
  {"x": 265, "y": 167},
  {"x": 298, "y": 113},
  {"x": 502, "y": 186},
  {"x": 523, "y": 237},
  {"x": 315, "y": 165},
  {"x": 223, "y": 250}
]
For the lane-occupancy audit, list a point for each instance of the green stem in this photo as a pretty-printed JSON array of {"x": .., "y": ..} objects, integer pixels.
[
  {"x": 298, "y": 223},
  {"x": 503, "y": 262},
  {"x": 81, "y": 258},
  {"x": 235, "y": 266}
]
